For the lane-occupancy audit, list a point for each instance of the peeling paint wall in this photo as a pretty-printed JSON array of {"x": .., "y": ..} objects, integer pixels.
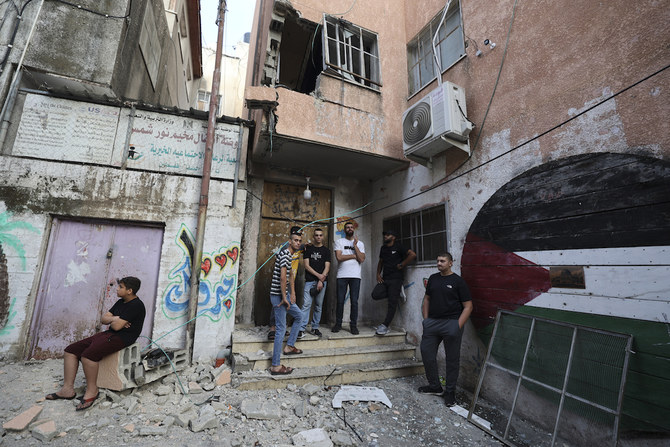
[{"x": 32, "y": 190}]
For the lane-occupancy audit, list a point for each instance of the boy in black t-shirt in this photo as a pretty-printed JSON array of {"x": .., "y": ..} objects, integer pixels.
[
  {"x": 125, "y": 320},
  {"x": 447, "y": 305},
  {"x": 317, "y": 265}
]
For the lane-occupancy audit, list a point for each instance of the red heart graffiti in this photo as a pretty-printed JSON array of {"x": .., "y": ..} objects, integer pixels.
[
  {"x": 232, "y": 254},
  {"x": 206, "y": 266},
  {"x": 221, "y": 260},
  {"x": 228, "y": 303}
]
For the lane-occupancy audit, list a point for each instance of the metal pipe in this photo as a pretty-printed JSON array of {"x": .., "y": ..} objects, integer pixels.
[
  {"x": 438, "y": 64},
  {"x": 237, "y": 164},
  {"x": 204, "y": 189},
  {"x": 13, "y": 88}
]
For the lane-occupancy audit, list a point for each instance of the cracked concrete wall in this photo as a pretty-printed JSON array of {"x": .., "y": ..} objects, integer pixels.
[{"x": 562, "y": 59}]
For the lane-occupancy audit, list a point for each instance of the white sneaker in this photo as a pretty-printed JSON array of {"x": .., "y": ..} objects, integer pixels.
[
  {"x": 403, "y": 296},
  {"x": 382, "y": 330}
]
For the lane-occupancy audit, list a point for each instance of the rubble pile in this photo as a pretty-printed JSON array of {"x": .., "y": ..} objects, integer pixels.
[{"x": 214, "y": 413}]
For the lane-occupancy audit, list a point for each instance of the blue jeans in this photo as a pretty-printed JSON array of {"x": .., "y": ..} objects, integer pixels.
[
  {"x": 280, "y": 323},
  {"x": 354, "y": 285},
  {"x": 307, "y": 303}
]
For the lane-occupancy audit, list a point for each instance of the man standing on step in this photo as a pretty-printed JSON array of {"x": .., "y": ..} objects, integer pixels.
[
  {"x": 447, "y": 305},
  {"x": 350, "y": 254},
  {"x": 393, "y": 258},
  {"x": 282, "y": 297},
  {"x": 317, "y": 266}
]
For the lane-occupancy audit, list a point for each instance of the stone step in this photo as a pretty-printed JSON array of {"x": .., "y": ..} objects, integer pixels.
[
  {"x": 329, "y": 375},
  {"x": 251, "y": 340},
  {"x": 333, "y": 356}
]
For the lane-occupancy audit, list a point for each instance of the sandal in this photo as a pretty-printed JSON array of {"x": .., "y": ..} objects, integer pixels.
[
  {"x": 293, "y": 350},
  {"x": 87, "y": 403},
  {"x": 271, "y": 335},
  {"x": 282, "y": 371},
  {"x": 54, "y": 396}
]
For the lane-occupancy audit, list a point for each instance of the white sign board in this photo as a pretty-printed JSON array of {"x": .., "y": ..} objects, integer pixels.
[
  {"x": 176, "y": 144},
  {"x": 59, "y": 129}
]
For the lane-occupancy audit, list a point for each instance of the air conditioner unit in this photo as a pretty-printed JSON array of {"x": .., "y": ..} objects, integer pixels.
[{"x": 436, "y": 123}]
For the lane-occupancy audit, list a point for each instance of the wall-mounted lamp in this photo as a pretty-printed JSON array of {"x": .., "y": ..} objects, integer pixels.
[
  {"x": 488, "y": 42},
  {"x": 307, "y": 194}
]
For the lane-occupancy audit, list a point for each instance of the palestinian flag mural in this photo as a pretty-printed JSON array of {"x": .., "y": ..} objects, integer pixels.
[{"x": 584, "y": 240}]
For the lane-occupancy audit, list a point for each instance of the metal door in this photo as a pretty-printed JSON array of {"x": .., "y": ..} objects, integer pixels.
[{"x": 83, "y": 261}]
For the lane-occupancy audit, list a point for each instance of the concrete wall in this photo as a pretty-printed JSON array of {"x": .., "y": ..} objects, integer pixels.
[
  {"x": 562, "y": 58},
  {"x": 33, "y": 190}
]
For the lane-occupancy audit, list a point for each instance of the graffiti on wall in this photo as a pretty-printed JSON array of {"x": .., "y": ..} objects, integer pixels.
[
  {"x": 10, "y": 240},
  {"x": 341, "y": 221},
  {"x": 218, "y": 280}
]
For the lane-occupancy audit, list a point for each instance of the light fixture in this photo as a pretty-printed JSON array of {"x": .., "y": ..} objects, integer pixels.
[{"x": 307, "y": 194}]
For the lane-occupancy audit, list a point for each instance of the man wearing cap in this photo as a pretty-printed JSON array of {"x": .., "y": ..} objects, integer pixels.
[
  {"x": 125, "y": 320},
  {"x": 393, "y": 258},
  {"x": 317, "y": 265}
]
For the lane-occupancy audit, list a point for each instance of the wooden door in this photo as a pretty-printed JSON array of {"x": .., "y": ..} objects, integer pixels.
[{"x": 281, "y": 204}]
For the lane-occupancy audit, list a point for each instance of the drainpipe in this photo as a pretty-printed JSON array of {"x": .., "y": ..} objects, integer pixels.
[
  {"x": 204, "y": 189},
  {"x": 14, "y": 87}
]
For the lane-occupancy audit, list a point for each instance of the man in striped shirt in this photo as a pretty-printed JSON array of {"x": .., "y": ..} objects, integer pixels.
[{"x": 282, "y": 297}]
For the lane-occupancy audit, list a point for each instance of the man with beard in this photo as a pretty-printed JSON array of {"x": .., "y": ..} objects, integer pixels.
[{"x": 350, "y": 254}]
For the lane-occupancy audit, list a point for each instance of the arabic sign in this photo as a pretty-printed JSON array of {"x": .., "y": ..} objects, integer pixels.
[
  {"x": 59, "y": 129},
  {"x": 169, "y": 143}
]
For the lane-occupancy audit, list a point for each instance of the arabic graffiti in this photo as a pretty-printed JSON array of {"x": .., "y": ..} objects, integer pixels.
[{"x": 218, "y": 280}]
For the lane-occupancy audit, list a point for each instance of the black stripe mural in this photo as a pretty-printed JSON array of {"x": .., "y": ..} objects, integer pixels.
[{"x": 584, "y": 239}]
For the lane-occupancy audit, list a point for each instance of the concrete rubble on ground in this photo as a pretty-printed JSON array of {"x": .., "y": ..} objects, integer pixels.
[{"x": 159, "y": 412}]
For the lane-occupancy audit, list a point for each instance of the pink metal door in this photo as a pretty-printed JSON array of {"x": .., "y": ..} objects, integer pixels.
[{"x": 84, "y": 259}]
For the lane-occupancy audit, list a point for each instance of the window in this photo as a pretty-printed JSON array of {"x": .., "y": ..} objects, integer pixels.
[
  {"x": 450, "y": 48},
  {"x": 351, "y": 52},
  {"x": 424, "y": 231}
]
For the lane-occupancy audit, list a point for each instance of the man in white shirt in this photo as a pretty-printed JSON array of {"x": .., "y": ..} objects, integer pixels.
[{"x": 350, "y": 254}]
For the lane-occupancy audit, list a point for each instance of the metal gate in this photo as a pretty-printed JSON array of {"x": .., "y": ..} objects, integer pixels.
[
  {"x": 559, "y": 381},
  {"x": 78, "y": 285}
]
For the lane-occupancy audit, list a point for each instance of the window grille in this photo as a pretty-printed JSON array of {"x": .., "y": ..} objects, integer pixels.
[
  {"x": 424, "y": 231},
  {"x": 351, "y": 52}
]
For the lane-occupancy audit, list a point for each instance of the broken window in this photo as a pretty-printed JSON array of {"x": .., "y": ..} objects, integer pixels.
[
  {"x": 450, "y": 48},
  {"x": 351, "y": 52},
  {"x": 296, "y": 53},
  {"x": 424, "y": 231}
]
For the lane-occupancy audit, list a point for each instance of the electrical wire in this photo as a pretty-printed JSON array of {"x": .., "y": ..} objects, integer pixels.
[
  {"x": 102, "y": 14},
  {"x": 530, "y": 140}
]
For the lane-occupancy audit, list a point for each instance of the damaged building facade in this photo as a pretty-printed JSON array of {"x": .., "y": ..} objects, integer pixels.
[
  {"x": 556, "y": 205},
  {"x": 101, "y": 175}
]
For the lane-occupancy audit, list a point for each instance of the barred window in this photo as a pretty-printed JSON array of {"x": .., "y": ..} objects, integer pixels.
[
  {"x": 424, "y": 231},
  {"x": 450, "y": 48},
  {"x": 351, "y": 52}
]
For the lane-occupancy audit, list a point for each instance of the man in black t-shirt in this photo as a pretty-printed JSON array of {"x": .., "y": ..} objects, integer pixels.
[
  {"x": 393, "y": 258},
  {"x": 125, "y": 320},
  {"x": 317, "y": 265},
  {"x": 447, "y": 305}
]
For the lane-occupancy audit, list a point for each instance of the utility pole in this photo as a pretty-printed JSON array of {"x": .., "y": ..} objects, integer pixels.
[{"x": 204, "y": 188}]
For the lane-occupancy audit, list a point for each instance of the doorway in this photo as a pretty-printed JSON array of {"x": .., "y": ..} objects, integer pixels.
[
  {"x": 281, "y": 204},
  {"x": 83, "y": 261}
]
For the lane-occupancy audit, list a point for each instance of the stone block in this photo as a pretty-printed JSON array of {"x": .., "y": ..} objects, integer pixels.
[
  {"x": 116, "y": 371},
  {"x": 316, "y": 437},
  {"x": 24, "y": 419},
  {"x": 45, "y": 432},
  {"x": 152, "y": 430},
  {"x": 260, "y": 409},
  {"x": 223, "y": 378},
  {"x": 205, "y": 422}
]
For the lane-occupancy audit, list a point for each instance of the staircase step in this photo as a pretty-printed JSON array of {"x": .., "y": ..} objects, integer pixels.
[
  {"x": 252, "y": 340},
  {"x": 329, "y": 375},
  {"x": 334, "y": 356}
]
